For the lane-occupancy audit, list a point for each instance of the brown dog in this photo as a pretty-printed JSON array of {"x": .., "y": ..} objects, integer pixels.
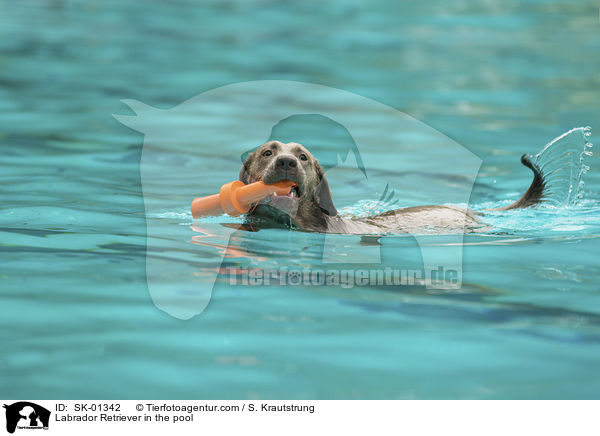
[{"x": 310, "y": 206}]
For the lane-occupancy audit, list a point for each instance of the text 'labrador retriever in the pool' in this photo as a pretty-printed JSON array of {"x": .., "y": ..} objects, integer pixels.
[{"x": 309, "y": 205}]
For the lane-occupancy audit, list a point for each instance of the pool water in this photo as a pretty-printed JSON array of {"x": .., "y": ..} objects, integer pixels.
[{"x": 79, "y": 225}]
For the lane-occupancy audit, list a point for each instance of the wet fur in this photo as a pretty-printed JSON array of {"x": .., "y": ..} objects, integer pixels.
[
  {"x": 314, "y": 209},
  {"x": 535, "y": 193}
]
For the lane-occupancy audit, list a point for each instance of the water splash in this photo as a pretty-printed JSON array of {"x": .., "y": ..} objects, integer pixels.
[
  {"x": 562, "y": 162},
  {"x": 366, "y": 208}
]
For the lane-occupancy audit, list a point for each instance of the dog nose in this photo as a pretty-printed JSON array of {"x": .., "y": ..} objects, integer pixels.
[{"x": 286, "y": 163}]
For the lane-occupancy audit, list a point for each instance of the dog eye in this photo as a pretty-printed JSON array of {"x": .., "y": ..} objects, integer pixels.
[
  {"x": 303, "y": 157},
  {"x": 267, "y": 153}
]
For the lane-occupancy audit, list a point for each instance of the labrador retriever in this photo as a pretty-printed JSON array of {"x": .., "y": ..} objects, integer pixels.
[{"x": 309, "y": 206}]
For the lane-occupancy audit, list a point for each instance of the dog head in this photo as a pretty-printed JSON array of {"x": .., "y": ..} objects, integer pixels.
[{"x": 309, "y": 204}]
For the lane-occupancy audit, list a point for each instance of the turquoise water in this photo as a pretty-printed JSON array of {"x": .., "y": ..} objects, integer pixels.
[{"x": 501, "y": 78}]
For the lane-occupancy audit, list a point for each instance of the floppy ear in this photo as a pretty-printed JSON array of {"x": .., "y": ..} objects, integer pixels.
[
  {"x": 323, "y": 193},
  {"x": 244, "y": 172}
]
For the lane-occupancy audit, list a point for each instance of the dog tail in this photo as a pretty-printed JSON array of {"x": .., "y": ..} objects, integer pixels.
[{"x": 557, "y": 171}]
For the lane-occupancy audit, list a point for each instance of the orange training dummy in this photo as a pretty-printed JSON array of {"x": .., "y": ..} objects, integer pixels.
[{"x": 235, "y": 198}]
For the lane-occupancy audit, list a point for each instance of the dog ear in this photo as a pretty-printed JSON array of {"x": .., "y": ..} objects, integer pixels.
[
  {"x": 323, "y": 193},
  {"x": 245, "y": 171}
]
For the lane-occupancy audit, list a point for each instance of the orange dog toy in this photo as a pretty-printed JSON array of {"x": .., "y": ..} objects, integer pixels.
[{"x": 235, "y": 198}]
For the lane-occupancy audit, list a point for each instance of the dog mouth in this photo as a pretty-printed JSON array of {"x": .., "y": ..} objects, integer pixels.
[
  {"x": 295, "y": 192},
  {"x": 282, "y": 199},
  {"x": 282, "y": 203}
]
